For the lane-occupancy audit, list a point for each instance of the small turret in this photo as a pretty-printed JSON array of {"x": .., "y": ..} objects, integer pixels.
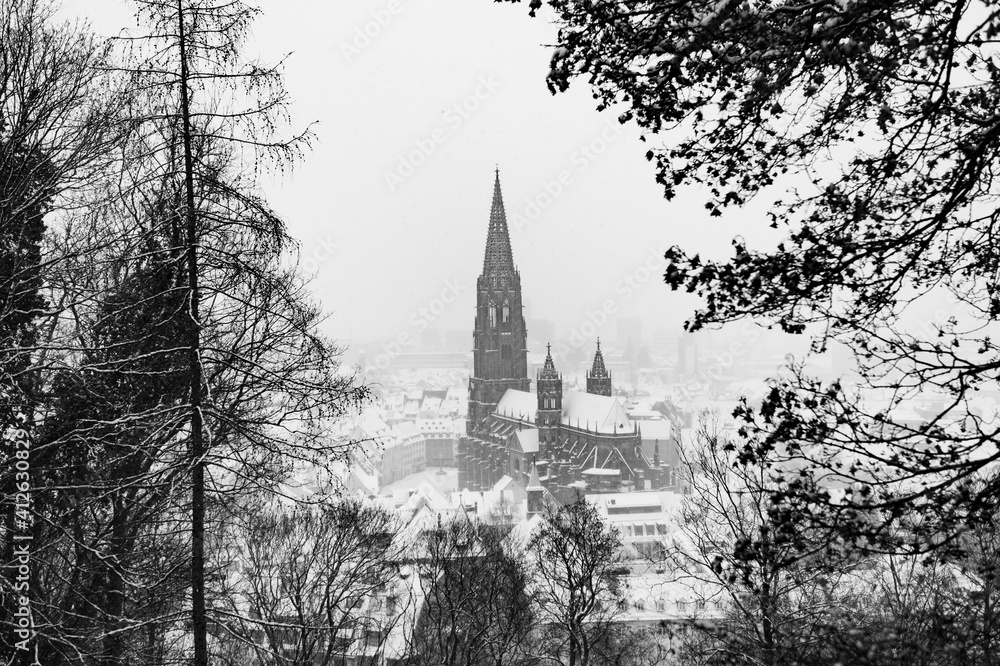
[
  {"x": 536, "y": 493},
  {"x": 598, "y": 377},
  {"x": 549, "y": 383}
]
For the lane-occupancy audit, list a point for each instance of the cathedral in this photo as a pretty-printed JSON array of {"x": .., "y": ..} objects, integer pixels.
[{"x": 576, "y": 442}]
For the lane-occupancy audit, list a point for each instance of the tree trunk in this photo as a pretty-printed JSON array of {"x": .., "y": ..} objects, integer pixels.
[{"x": 198, "y": 617}]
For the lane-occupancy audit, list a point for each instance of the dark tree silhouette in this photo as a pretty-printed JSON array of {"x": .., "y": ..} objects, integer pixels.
[
  {"x": 578, "y": 568},
  {"x": 769, "y": 593},
  {"x": 476, "y": 608},
  {"x": 313, "y": 584},
  {"x": 261, "y": 379},
  {"x": 54, "y": 128},
  {"x": 878, "y": 122}
]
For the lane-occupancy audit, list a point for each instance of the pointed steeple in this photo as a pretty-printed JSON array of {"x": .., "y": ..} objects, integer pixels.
[
  {"x": 598, "y": 369},
  {"x": 598, "y": 377},
  {"x": 499, "y": 337},
  {"x": 534, "y": 483},
  {"x": 549, "y": 369},
  {"x": 549, "y": 393},
  {"x": 498, "y": 259}
]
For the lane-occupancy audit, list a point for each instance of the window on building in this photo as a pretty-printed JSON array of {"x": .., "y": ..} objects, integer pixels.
[
  {"x": 640, "y": 605},
  {"x": 661, "y": 605},
  {"x": 700, "y": 604},
  {"x": 506, "y": 312},
  {"x": 492, "y": 314}
]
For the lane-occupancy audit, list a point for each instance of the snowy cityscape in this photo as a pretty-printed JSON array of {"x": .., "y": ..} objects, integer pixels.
[{"x": 499, "y": 333}]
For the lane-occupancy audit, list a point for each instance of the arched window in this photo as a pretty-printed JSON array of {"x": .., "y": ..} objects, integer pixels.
[
  {"x": 493, "y": 314},
  {"x": 505, "y": 315}
]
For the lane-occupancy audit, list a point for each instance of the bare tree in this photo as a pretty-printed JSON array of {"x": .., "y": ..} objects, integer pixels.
[
  {"x": 312, "y": 584},
  {"x": 55, "y": 106},
  {"x": 906, "y": 609},
  {"x": 578, "y": 576},
  {"x": 767, "y": 591},
  {"x": 261, "y": 379},
  {"x": 107, "y": 456},
  {"x": 476, "y": 609},
  {"x": 120, "y": 306},
  {"x": 877, "y": 125}
]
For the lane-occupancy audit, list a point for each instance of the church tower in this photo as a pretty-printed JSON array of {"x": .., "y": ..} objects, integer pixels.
[
  {"x": 598, "y": 377},
  {"x": 499, "y": 339},
  {"x": 550, "y": 402},
  {"x": 549, "y": 387}
]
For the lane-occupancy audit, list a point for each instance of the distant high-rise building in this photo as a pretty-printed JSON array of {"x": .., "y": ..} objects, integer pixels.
[
  {"x": 456, "y": 340},
  {"x": 665, "y": 340},
  {"x": 541, "y": 331},
  {"x": 687, "y": 355},
  {"x": 431, "y": 339},
  {"x": 630, "y": 333}
]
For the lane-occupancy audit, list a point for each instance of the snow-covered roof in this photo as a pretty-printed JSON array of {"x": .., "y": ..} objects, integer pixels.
[
  {"x": 518, "y": 404},
  {"x": 402, "y": 431},
  {"x": 656, "y": 429},
  {"x": 528, "y": 439},
  {"x": 596, "y": 412}
]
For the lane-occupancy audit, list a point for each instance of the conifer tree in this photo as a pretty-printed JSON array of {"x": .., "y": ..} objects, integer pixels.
[
  {"x": 262, "y": 380},
  {"x": 54, "y": 130}
]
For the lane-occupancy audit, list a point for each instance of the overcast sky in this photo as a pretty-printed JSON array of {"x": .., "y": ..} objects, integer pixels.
[{"x": 416, "y": 102}]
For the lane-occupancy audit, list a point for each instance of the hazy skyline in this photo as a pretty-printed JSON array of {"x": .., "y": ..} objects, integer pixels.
[{"x": 416, "y": 105}]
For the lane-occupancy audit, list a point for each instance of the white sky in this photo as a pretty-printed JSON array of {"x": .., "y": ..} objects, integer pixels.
[{"x": 396, "y": 250}]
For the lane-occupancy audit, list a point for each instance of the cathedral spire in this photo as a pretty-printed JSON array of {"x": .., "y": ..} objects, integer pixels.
[
  {"x": 499, "y": 336},
  {"x": 498, "y": 259},
  {"x": 549, "y": 369},
  {"x": 598, "y": 369},
  {"x": 598, "y": 377}
]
